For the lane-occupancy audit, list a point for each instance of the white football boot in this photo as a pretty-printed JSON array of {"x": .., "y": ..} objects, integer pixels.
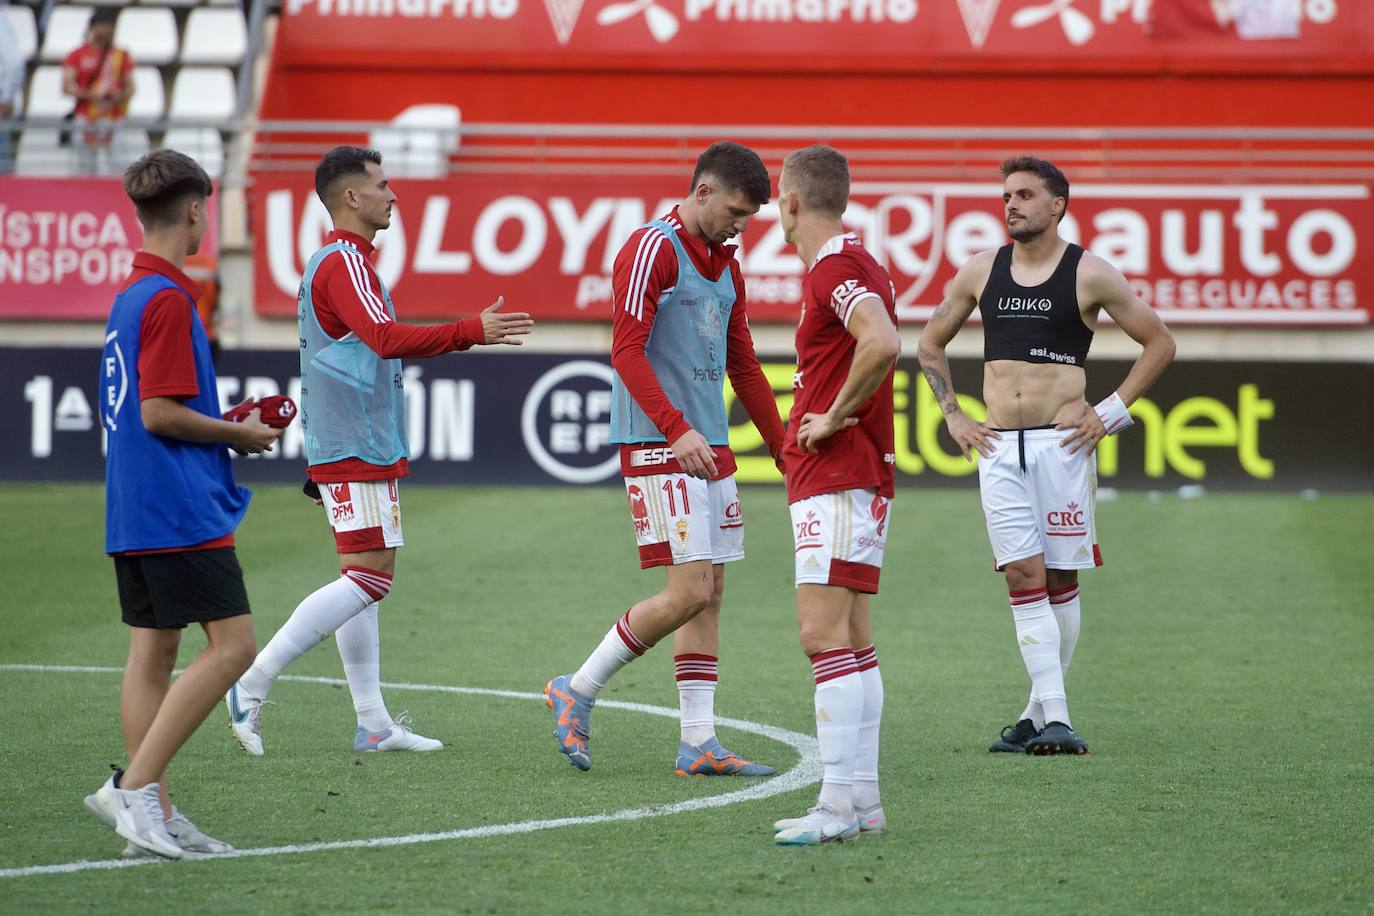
[
  {"x": 399, "y": 737},
  {"x": 822, "y": 824}
]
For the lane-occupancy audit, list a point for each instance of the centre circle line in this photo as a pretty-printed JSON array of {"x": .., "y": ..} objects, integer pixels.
[{"x": 806, "y": 772}]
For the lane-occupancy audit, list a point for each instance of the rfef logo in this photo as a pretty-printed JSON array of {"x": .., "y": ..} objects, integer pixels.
[{"x": 566, "y": 422}]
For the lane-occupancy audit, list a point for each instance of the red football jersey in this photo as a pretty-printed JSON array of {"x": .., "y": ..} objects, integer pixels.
[{"x": 860, "y": 457}]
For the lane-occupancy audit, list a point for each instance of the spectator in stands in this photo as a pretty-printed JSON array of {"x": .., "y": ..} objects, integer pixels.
[
  {"x": 101, "y": 79},
  {"x": 11, "y": 85}
]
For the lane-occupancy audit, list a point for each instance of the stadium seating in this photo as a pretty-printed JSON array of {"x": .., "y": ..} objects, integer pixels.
[
  {"x": 45, "y": 94},
  {"x": 66, "y": 32},
  {"x": 25, "y": 28},
  {"x": 414, "y": 152},
  {"x": 202, "y": 93},
  {"x": 214, "y": 36},
  {"x": 150, "y": 35},
  {"x": 149, "y": 101},
  {"x": 202, "y": 144}
]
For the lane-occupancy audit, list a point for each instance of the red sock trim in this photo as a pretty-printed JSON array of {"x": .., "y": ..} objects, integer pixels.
[
  {"x": 1064, "y": 595},
  {"x": 829, "y": 664},
  {"x": 866, "y": 659},
  {"x": 376, "y": 584},
  {"x": 1019, "y": 599},
  {"x": 628, "y": 637},
  {"x": 693, "y": 666}
]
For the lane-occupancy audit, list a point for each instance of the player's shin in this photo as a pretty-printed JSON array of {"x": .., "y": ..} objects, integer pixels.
[
  {"x": 618, "y": 648},
  {"x": 359, "y": 643},
  {"x": 870, "y": 721},
  {"x": 1037, "y": 635},
  {"x": 839, "y": 702},
  {"x": 696, "y": 690},
  {"x": 314, "y": 620}
]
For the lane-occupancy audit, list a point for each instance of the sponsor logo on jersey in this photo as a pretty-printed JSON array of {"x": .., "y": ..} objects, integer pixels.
[
  {"x": 647, "y": 457},
  {"x": 1023, "y": 304},
  {"x": 1051, "y": 355},
  {"x": 342, "y": 500},
  {"x": 808, "y": 532}
]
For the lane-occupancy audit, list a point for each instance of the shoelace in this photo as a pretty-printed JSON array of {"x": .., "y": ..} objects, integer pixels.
[
  {"x": 255, "y": 716},
  {"x": 404, "y": 722}
]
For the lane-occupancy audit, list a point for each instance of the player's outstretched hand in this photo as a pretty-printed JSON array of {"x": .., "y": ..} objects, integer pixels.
[
  {"x": 500, "y": 327},
  {"x": 968, "y": 433},
  {"x": 1088, "y": 430},
  {"x": 251, "y": 435},
  {"x": 815, "y": 428},
  {"x": 694, "y": 454}
]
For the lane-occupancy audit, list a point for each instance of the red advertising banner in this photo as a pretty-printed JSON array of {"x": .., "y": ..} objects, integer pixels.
[
  {"x": 66, "y": 246},
  {"x": 826, "y": 35},
  {"x": 1219, "y": 255}
]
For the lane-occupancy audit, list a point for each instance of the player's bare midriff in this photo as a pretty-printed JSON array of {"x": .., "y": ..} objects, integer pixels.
[{"x": 1021, "y": 395}]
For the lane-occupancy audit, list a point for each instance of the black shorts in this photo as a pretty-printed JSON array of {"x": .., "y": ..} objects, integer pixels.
[{"x": 170, "y": 590}]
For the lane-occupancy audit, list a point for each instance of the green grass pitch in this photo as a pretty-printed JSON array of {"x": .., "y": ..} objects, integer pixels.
[{"x": 1223, "y": 677}]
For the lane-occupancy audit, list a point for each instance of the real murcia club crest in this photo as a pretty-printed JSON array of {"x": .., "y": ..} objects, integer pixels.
[
  {"x": 978, "y": 15},
  {"x": 563, "y": 15}
]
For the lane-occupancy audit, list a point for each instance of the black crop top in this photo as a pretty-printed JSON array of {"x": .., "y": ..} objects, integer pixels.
[{"x": 1034, "y": 324}]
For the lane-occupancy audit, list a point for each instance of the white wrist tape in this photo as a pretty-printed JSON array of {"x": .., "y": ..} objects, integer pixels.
[{"x": 1112, "y": 411}]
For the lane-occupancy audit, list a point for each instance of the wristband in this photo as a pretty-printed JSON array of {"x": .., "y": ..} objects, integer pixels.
[{"x": 1112, "y": 411}]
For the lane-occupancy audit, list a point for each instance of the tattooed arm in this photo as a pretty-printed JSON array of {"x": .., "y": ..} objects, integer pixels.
[{"x": 960, "y": 301}]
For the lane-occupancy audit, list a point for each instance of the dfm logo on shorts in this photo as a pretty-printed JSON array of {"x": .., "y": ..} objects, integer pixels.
[
  {"x": 566, "y": 422},
  {"x": 639, "y": 512},
  {"x": 342, "y": 499},
  {"x": 1071, "y": 517}
]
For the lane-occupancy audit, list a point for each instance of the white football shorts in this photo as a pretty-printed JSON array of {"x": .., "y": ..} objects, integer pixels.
[
  {"x": 679, "y": 519},
  {"x": 365, "y": 515},
  {"x": 1040, "y": 499},
  {"x": 840, "y": 538}
]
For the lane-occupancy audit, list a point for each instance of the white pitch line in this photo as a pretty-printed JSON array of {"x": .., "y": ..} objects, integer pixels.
[{"x": 806, "y": 772}]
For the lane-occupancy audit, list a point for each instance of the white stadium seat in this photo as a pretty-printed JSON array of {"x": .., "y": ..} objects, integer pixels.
[
  {"x": 66, "y": 32},
  {"x": 215, "y": 36},
  {"x": 45, "y": 94},
  {"x": 150, "y": 35},
  {"x": 25, "y": 29},
  {"x": 40, "y": 153},
  {"x": 203, "y": 94},
  {"x": 149, "y": 100},
  {"x": 202, "y": 144},
  {"x": 419, "y": 140},
  {"x": 171, "y": 2}
]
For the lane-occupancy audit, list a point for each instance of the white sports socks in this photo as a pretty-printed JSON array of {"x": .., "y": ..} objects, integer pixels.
[
  {"x": 839, "y": 709},
  {"x": 1037, "y": 634},
  {"x": 315, "y": 619},
  {"x": 870, "y": 720},
  {"x": 618, "y": 648},
  {"x": 359, "y": 642},
  {"x": 697, "y": 675}
]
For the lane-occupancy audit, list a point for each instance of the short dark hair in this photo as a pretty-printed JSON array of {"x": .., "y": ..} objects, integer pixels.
[
  {"x": 819, "y": 175},
  {"x": 340, "y": 162},
  {"x": 737, "y": 168},
  {"x": 1055, "y": 182},
  {"x": 160, "y": 184}
]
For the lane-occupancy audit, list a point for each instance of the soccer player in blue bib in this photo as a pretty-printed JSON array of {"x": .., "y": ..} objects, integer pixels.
[{"x": 171, "y": 507}]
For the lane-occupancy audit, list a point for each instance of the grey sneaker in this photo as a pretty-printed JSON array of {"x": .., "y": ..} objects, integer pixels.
[
  {"x": 189, "y": 837},
  {"x": 138, "y": 818},
  {"x": 101, "y": 803}
]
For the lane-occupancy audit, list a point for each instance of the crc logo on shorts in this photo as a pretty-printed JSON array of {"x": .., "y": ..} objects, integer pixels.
[
  {"x": 1067, "y": 521},
  {"x": 879, "y": 512},
  {"x": 639, "y": 512},
  {"x": 733, "y": 517},
  {"x": 341, "y": 509},
  {"x": 566, "y": 422},
  {"x": 808, "y": 532}
]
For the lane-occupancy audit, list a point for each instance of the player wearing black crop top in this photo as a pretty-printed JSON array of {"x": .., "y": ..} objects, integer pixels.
[{"x": 1039, "y": 298}]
